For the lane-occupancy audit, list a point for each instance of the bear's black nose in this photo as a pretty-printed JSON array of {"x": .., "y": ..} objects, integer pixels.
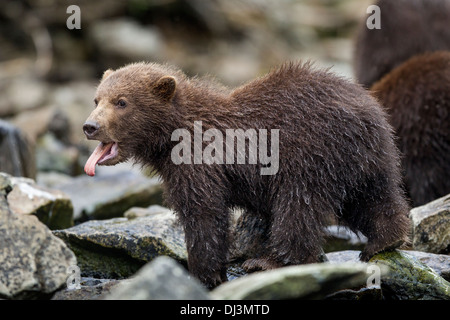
[{"x": 90, "y": 128}]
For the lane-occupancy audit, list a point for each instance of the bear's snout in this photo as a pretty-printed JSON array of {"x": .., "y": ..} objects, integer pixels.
[{"x": 90, "y": 129}]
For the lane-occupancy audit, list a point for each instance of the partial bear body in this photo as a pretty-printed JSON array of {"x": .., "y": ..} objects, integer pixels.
[
  {"x": 408, "y": 28},
  {"x": 336, "y": 157},
  {"x": 416, "y": 96}
]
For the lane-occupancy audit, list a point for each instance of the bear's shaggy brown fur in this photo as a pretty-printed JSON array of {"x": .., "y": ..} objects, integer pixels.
[
  {"x": 416, "y": 95},
  {"x": 408, "y": 28},
  {"x": 336, "y": 157}
]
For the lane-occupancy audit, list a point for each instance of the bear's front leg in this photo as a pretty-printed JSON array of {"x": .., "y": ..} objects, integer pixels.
[{"x": 207, "y": 241}]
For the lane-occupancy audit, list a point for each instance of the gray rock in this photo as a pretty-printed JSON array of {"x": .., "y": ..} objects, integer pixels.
[
  {"x": 90, "y": 289},
  {"x": 125, "y": 38},
  {"x": 409, "y": 279},
  {"x": 51, "y": 207},
  {"x": 16, "y": 153},
  {"x": 33, "y": 262},
  {"x": 108, "y": 196},
  {"x": 32, "y": 129},
  {"x": 136, "y": 212},
  {"x": 161, "y": 279},
  {"x": 343, "y": 256},
  {"x": 53, "y": 155},
  {"x": 75, "y": 99},
  {"x": 13, "y": 98},
  {"x": 431, "y": 226},
  {"x": 312, "y": 281},
  {"x": 117, "y": 248},
  {"x": 51, "y": 179}
]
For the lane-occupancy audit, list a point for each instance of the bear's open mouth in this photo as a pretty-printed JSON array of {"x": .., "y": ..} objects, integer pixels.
[{"x": 101, "y": 154}]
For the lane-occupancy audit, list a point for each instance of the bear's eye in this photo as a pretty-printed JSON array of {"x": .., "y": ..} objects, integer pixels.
[
  {"x": 121, "y": 103},
  {"x": 95, "y": 102}
]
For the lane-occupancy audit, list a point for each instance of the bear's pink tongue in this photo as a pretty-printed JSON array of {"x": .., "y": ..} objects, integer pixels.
[{"x": 99, "y": 152}]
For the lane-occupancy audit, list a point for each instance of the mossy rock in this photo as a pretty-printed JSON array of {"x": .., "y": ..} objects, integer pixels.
[
  {"x": 431, "y": 226},
  {"x": 104, "y": 263},
  {"x": 410, "y": 279},
  {"x": 311, "y": 281}
]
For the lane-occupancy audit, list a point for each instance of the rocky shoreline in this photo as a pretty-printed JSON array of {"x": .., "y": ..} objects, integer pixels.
[{"x": 141, "y": 254}]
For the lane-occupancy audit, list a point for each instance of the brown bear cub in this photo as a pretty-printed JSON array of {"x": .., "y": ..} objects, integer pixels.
[
  {"x": 417, "y": 98},
  {"x": 407, "y": 28},
  {"x": 334, "y": 148}
]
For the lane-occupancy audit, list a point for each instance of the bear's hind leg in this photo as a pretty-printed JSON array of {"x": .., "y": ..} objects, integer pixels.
[
  {"x": 387, "y": 231},
  {"x": 383, "y": 220}
]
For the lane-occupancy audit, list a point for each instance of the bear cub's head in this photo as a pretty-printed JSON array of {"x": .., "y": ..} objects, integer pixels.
[{"x": 129, "y": 102}]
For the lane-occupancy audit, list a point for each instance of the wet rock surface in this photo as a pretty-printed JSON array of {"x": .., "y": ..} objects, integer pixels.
[
  {"x": 52, "y": 207},
  {"x": 313, "y": 281},
  {"x": 409, "y": 279},
  {"x": 116, "y": 248},
  {"x": 161, "y": 279},
  {"x": 440, "y": 263},
  {"x": 33, "y": 262},
  {"x": 431, "y": 226},
  {"x": 16, "y": 152},
  {"x": 110, "y": 195},
  {"x": 89, "y": 289}
]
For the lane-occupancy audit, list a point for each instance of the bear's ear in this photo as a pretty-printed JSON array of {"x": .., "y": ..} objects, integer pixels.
[
  {"x": 107, "y": 73},
  {"x": 165, "y": 88}
]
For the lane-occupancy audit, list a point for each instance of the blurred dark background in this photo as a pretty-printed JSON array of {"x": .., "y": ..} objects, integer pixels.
[{"x": 48, "y": 73}]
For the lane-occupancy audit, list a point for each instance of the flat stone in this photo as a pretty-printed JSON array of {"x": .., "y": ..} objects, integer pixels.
[
  {"x": 109, "y": 196},
  {"x": 312, "y": 281},
  {"x": 117, "y": 248},
  {"x": 161, "y": 279},
  {"x": 52, "y": 207}
]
